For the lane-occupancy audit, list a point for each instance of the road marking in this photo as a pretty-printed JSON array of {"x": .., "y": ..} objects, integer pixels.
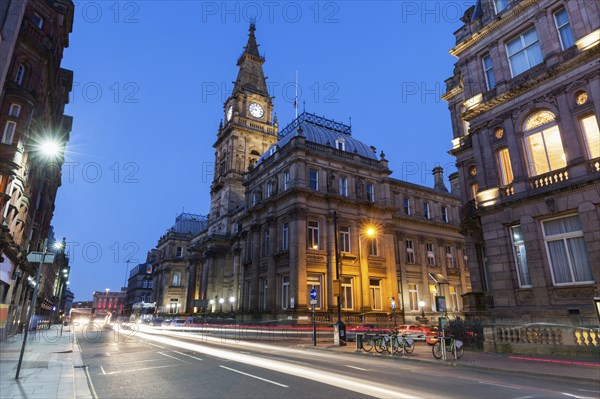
[
  {"x": 142, "y": 369},
  {"x": 107, "y": 354},
  {"x": 575, "y": 396},
  {"x": 586, "y": 390},
  {"x": 102, "y": 368},
  {"x": 498, "y": 385},
  {"x": 173, "y": 357},
  {"x": 185, "y": 354},
  {"x": 254, "y": 376},
  {"x": 357, "y": 368},
  {"x": 158, "y": 346}
]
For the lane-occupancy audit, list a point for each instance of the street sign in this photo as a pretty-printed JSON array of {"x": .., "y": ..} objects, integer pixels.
[
  {"x": 38, "y": 257},
  {"x": 313, "y": 294},
  {"x": 313, "y": 301}
]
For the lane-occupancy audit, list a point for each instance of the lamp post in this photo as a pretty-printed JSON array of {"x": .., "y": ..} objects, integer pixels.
[
  {"x": 422, "y": 305},
  {"x": 212, "y": 305},
  {"x": 231, "y": 301},
  {"x": 369, "y": 232},
  {"x": 221, "y": 301},
  {"x": 339, "y": 330}
]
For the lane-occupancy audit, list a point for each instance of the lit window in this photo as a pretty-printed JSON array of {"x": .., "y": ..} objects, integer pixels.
[
  {"x": 430, "y": 254},
  {"x": 407, "y": 210},
  {"x": 375, "y": 294},
  {"x": 314, "y": 281},
  {"x": 9, "y": 132},
  {"x": 564, "y": 28},
  {"x": 543, "y": 145},
  {"x": 371, "y": 192},
  {"x": 313, "y": 235},
  {"x": 413, "y": 297},
  {"x": 474, "y": 191},
  {"x": 313, "y": 179},
  {"x": 488, "y": 70},
  {"x": 347, "y": 293},
  {"x": 20, "y": 74},
  {"x": 504, "y": 166},
  {"x": 500, "y": 5},
  {"x": 285, "y": 292},
  {"x": 591, "y": 133},
  {"x": 286, "y": 180},
  {"x": 426, "y": 213},
  {"x": 344, "y": 186},
  {"x": 344, "y": 238},
  {"x": 410, "y": 252},
  {"x": 520, "y": 256},
  {"x": 453, "y": 303},
  {"x": 176, "y": 279},
  {"x": 567, "y": 252},
  {"x": 14, "y": 110},
  {"x": 285, "y": 236},
  {"x": 432, "y": 295},
  {"x": 524, "y": 52}
]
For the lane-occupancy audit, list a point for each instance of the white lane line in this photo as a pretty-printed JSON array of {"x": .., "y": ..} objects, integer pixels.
[
  {"x": 587, "y": 390},
  {"x": 102, "y": 368},
  {"x": 357, "y": 368},
  {"x": 575, "y": 396},
  {"x": 185, "y": 354},
  {"x": 158, "y": 346},
  {"x": 173, "y": 357},
  {"x": 142, "y": 369},
  {"x": 254, "y": 376},
  {"x": 107, "y": 354},
  {"x": 498, "y": 385}
]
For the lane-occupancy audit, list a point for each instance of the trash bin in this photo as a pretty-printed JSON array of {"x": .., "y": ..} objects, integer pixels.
[{"x": 339, "y": 333}]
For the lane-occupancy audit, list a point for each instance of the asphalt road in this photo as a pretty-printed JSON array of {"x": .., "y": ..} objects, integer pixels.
[{"x": 167, "y": 364}]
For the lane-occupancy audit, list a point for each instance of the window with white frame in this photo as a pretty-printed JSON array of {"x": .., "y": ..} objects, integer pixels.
[
  {"x": 430, "y": 254},
  {"x": 445, "y": 214},
  {"x": 347, "y": 293},
  {"x": 286, "y": 180},
  {"x": 313, "y": 179},
  {"x": 520, "y": 257},
  {"x": 313, "y": 234},
  {"x": 340, "y": 144},
  {"x": 373, "y": 246},
  {"x": 524, "y": 52},
  {"x": 543, "y": 144},
  {"x": 9, "y": 132},
  {"x": 375, "y": 294},
  {"x": 179, "y": 252},
  {"x": 264, "y": 302},
  {"x": 488, "y": 71},
  {"x": 254, "y": 198},
  {"x": 285, "y": 236},
  {"x": 410, "y": 252},
  {"x": 266, "y": 242},
  {"x": 407, "y": 209},
  {"x": 269, "y": 189},
  {"x": 453, "y": 303},
  {"x": 14, "y": 110},
  {"x": 591, "y": 135},
  {"x": 500, "y": 5},
  {"x": 344, "y": 186},
  {"x": 504, "y": 166},
  {"x": 450, "y": 257},
  {"x": 566, "y": 250},
  {"x": 20, "y": 75},
  {"x": 314, "y": 281},
  {"x": 426, "y": 212},
  {"x": 413, "y": 297},
  {"x": 344, "y": 238},
  {"x": 285, "y": 292},
  {"x": 370, "y": 192},
  {"x": 176, "y": 279},
  {"x": 432, "y": 295},
  {"x": 561, "y": 19}
]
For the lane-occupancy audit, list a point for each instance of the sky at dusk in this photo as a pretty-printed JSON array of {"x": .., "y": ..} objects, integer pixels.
[{"x": 151, "y": 78}]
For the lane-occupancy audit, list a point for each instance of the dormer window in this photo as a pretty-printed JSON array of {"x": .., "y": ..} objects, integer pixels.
[
  {"x": 500, "y": 5},
  {"x": 340, "y": 144}
]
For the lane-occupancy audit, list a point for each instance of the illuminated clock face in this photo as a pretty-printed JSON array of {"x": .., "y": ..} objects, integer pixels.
[
  {"x": 229, "y": 113},
  {"x": 256, "y": 110}
]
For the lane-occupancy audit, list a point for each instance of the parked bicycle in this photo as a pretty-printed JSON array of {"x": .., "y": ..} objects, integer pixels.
[
  {"x": 372, "y": 341},
  {"x": 396, "y": 342},
  {"x": 452, "y": 345}
]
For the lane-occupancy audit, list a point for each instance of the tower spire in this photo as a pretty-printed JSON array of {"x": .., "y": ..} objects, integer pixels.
[{"x": 251, "y": 76}]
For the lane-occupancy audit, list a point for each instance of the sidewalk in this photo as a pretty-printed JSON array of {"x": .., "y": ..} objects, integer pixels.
[
  {"x": 570, "y": 369},
  {"x": 50, "y": 367}
]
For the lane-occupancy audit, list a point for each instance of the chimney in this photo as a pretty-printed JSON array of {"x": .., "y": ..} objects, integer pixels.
[
  {"x": 438, "y": 179},
  {"x": 454, "y": 184}
]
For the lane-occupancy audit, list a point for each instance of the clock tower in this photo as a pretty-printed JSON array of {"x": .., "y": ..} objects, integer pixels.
[{"x": 248, "y": 131}]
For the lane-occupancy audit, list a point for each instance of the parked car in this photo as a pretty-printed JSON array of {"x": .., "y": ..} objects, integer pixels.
[
  {"x": 414, "y": 331},
  {"x": 178, "y": 322},
  {"x": 351, "y": 331}
]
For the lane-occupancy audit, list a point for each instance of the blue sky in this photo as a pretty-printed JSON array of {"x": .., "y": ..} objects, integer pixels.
[{"x": 151, "y": 78}]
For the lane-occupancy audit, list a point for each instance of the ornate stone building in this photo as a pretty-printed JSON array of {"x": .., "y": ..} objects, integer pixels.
[
  {"x": 35, "y": 90},
  {"x": 524, "y": 101},
  {"x": 271, "y": 234}
]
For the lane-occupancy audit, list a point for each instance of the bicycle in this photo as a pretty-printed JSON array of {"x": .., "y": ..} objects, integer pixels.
[
  {"x": 372, "y": 341},
  {"x": 452, "y": 345},
  {"x": 397, "y": 342}
]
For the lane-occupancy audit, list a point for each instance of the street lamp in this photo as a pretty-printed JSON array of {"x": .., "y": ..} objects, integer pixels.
[
  {"x": 231, "y": 301},
  {"x": 212, "y": 305},
  {"x": 221, "y": 300},
  {"x": 421, "y": 305}
]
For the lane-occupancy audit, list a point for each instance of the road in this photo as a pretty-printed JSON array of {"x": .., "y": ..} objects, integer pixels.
[{"x": 152, "y": 363}]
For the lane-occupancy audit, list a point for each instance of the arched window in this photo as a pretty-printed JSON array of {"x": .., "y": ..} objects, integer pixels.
[{"x": 543, "y": 143}]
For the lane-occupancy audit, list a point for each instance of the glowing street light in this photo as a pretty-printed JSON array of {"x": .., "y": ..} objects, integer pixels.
[{"x": 421, "y": 305}]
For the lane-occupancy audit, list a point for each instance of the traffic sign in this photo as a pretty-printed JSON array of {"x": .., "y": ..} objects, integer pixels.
[
  {"x": 313, "y": 293},
  {"x": 313, "y": 301}
]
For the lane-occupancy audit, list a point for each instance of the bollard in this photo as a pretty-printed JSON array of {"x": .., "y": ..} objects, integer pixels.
[{"x": 359, "y": 342}]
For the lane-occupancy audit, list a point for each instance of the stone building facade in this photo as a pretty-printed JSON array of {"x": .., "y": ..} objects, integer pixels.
[
  {"x": 525, "y": 101},
  {"x": 35, "y": 90},
  {"x": 270, "y": 234}
]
